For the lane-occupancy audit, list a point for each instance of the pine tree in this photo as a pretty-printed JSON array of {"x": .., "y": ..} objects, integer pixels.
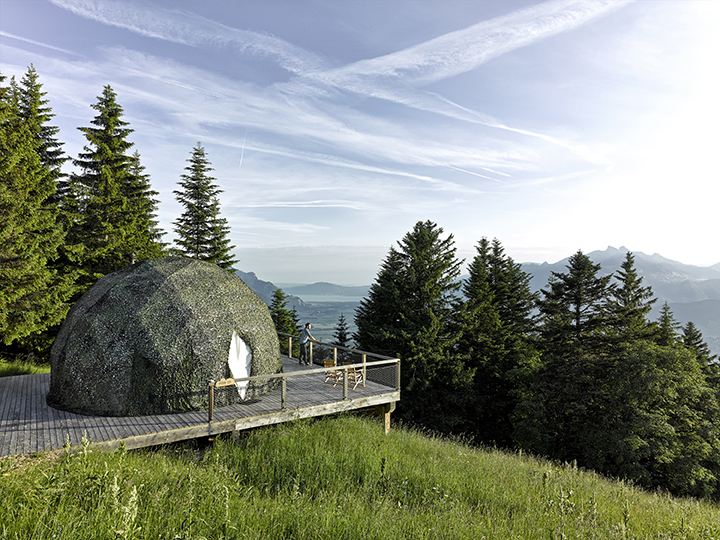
[
  {"x": 296, "y": 320},
  {"x": 512, "y": 294},
  {"x": 101, "y": 203},
  {"x": 667, "y": 327},
  {"x": 572, "y": 311},
  {"x": 109, "y": 220},
  {"x": 630, "y": 304},
  {"x": 692, "y": 338},
  {"x": 557, "y": 391},
  {"x": 495, "y": 320},
  {"x": 630, "y": 409},
  {"x": 415, "y": 284},
  {"x": 341, "y": 335},
  {"x": 408, "y": 314},
  {"x": 36, "y": 113},
  {"x": 285, "y": 320},
  {"x": 281, "y": 316},
  {"x": 379, "y": 321},
  {"x": 32, "y": 296},
  {"x": 142, "y": 210},
  {"x": 202, "y": 233}
]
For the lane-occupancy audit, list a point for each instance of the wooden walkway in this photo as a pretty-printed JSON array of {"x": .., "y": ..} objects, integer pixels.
[{"x": 29, "y": 426}]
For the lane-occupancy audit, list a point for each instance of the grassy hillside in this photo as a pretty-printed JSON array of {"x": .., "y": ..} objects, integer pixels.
[{"x": 331, "y": 478}]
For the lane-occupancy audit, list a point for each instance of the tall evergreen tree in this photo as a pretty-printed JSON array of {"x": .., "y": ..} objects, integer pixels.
[
  {"x": 202, "y": 233},
  {"x": 341, "y": 335},
  {"x": 573, "y": 309},
  {"x": 146, "y": 243},
  {"x": 511, "y": 290},
  {"x": 667, "y": 327},
  {"x": 101, "y": 208},
  {"x": 36, "y": 113},
  {"x": 32, "y": 295},
  {"x": 555, "y": 392},
  {"x": 407, "y": 314},
  {"x": 495, "y": 321},
  {"x": 109, "y": 221},
  {"x": 631, "y": 303},
  {"x": 692, "y": 338},
  {"x": 379, "y": 320},
  {"x": 285, "y": 320},
  {"x": 281, "y": 315}
]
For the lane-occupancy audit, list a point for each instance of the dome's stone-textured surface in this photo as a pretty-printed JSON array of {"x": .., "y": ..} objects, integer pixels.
[{"x": 148, "y": 338}]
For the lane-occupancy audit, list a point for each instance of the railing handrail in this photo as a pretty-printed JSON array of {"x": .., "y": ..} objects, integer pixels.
[
  {"x": 333, "y": 346},
  {"x": 309, "y": 371}
]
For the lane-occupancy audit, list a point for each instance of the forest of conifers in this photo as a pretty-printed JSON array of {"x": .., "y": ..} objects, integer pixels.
[
  {"x": 61, "y": 232},
  {"x": 577, "y": 372}
]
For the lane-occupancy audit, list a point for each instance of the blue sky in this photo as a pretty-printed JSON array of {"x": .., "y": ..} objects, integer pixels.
[{"x": 334, "y": 126}]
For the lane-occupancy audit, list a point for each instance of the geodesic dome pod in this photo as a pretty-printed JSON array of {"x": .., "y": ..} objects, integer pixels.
[{"x": 147, "y": 339}]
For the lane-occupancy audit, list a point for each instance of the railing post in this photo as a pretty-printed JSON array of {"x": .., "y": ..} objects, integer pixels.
[
  {"x": 289, "y": 346},
  {"x": 345, "y": 382},
  {"x": 211, "y": 399},
  {"x": 397, "y": 375},
  {"x": 284, "y": 392},
  {"x": 335, "y": 355},
  {"x": 311, "y": 358},
  {"x": 364, "y": 368}
]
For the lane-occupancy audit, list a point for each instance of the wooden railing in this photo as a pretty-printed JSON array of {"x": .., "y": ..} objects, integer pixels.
[
  {"x": 363, "y": 355},
  {"x": 337, "y": 351}
]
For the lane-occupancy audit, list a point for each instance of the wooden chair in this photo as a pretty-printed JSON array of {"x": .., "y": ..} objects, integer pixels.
[
  {"x": 355, "y": 376},
  {"x": 332, "y": 376}
]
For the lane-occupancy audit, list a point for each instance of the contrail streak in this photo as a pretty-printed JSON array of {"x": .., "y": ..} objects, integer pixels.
[
  {"x": 38, "y": 43},
  {"x": 242, "y": 152}
]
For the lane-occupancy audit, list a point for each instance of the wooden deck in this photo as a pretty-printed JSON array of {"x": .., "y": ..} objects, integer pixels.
[{"x": 29, "y": 426}]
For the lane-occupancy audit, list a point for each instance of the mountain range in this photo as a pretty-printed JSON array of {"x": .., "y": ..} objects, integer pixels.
[{"x": 692, "y": 292}]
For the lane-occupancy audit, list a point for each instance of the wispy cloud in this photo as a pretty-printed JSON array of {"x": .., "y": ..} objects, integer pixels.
[
  {"x": 191, "y": 29},
  {"x": 393, "y": 77},
  {"x": 38, "y": 43},
  {"x": 390, "y": 77},
  {"x": 463, "y": 50},
  {"x": 385, "y": 147}
]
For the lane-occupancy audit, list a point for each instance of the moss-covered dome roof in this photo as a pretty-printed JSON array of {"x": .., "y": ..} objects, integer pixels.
[{"x": 148, "y": 338}]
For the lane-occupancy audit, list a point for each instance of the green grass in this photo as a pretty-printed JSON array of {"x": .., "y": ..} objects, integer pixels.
[
  {"x": 336, "y": 477},
  {"x": 8, "y": 369}
]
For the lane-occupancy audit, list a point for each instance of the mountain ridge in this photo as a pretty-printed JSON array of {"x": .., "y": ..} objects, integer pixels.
[{"x": 692, "y": 292}]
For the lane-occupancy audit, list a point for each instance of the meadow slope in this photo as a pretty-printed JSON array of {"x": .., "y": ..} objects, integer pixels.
[{"x": 336, "y": 477}]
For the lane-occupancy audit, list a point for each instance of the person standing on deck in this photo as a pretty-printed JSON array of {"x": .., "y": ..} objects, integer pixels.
[{"x": 305, "y": 339}]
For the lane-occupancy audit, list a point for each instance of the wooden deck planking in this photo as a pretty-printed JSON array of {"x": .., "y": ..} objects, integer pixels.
[
  {"x": 31, "y": 418},
  {"x": 5, "y": 403},
  {"x": 18, "y": 417},
  {"x": 8, "y": 403},
  {"x": 28, "y": 425},
  {"x": 42, "y": 418}
]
